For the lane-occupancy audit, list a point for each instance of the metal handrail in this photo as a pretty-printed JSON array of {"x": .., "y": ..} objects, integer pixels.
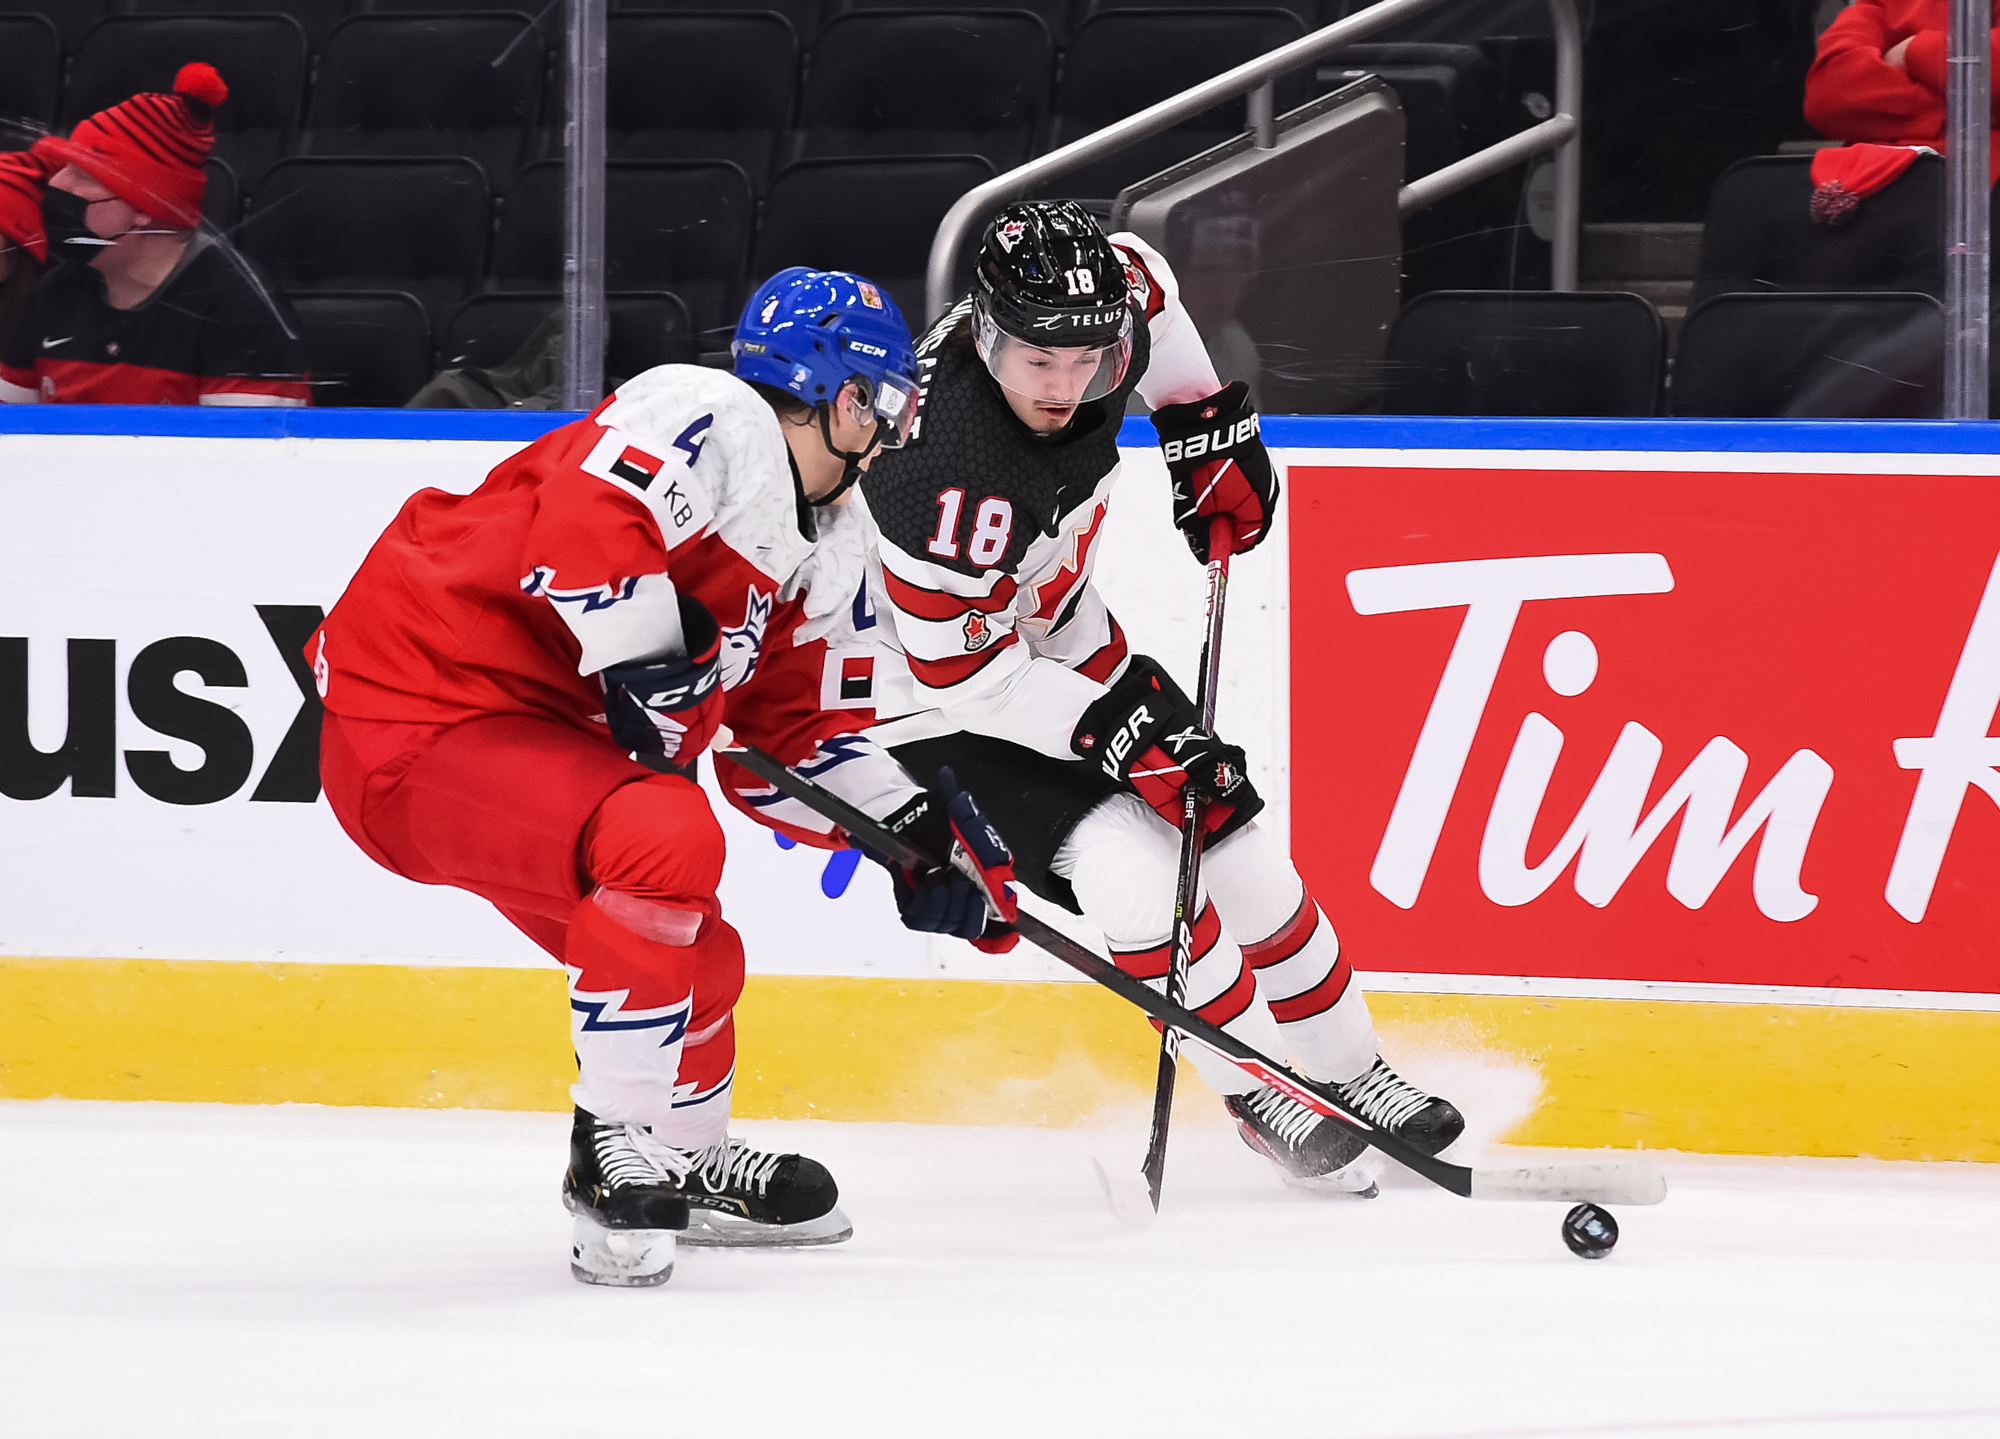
[{"x": 1561, "y": 132}]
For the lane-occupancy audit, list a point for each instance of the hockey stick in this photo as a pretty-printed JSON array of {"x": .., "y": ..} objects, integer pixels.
[
  {"x": 1620, "y": 1181},
  {"x": 1187, "y": 886}
]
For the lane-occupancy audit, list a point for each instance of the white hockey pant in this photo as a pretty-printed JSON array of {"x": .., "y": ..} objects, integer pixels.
[{"x": 1266, "y": 964}]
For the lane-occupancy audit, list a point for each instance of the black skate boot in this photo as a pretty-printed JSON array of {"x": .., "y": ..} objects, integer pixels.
[
  {"x": 743, "y": 1197},
  {"x": 1310, "y": 1150},
  {"x": 624, "y": 1187},
  {"x": 1384, "y": 1096}
]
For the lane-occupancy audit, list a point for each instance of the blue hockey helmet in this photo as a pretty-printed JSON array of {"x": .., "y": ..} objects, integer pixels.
[{"x": 808, "y": 332}]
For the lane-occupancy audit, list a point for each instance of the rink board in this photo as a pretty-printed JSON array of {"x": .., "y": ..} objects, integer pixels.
[{"x": 194, "y": 926}]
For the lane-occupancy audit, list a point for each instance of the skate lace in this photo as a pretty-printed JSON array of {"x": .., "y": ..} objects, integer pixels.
[
  {"x": 628, "y": 1154},
  {"x": 733, "y": 1163},
  {"x": 1286, "y": 1118},
  {"x": 1384, "y": 1096}
]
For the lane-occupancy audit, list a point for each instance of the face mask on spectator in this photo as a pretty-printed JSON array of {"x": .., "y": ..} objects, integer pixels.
[{"x": 65, "y": 222}]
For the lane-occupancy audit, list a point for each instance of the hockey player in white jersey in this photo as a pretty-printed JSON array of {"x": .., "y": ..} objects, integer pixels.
[{"x": 1020, "y": 679}]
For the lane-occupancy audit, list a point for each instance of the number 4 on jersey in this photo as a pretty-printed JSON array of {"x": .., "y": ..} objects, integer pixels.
[{"x": 992, "y": 527}]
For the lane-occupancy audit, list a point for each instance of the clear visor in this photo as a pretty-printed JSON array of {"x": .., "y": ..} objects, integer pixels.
[
  {"x": 1062, "y": 375},
  {"x": 896, "y": 408}
]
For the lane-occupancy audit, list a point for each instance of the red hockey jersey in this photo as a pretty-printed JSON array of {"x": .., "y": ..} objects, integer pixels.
[{"x": 571, "y": 555}]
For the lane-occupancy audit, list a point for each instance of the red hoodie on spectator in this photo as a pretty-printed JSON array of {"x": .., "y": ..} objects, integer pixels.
[{"x": 1853, "y": 94}]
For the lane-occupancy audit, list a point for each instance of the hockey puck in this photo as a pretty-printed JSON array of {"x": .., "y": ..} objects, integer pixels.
[{"x": 1590, "y": 1232}]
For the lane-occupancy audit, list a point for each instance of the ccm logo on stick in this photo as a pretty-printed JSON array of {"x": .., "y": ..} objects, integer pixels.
[{"x": 1212, "y": 442}]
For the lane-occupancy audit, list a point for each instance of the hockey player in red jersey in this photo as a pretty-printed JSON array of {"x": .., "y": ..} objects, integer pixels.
[
  {"x": 1021, "y": 682},
  {"x": 679, "y": 559}
]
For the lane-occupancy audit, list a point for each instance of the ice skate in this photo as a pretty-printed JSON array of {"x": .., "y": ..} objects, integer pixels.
[
  {"x": 1310, "y": 1151},
  {"x": 624, "y": 1187},
  {"x": 1385, "y": 1097},
  {"x": 739, "y": 1197}
]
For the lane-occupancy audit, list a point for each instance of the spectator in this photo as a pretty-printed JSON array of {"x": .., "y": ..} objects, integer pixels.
[
  {"x": 22, "y": 248},
  {"x": 1878, "y": 83},
  {"x": 142, "y": 308}
]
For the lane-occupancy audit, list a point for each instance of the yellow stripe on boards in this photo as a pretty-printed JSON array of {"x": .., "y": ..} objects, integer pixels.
[
  {"x": 1737, "y": 1078},
  {"x": 1723, "y": 1078}
]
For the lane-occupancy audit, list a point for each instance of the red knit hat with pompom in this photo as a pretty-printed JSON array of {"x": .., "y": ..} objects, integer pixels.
[
  {"x": 22, "y": 178},
  {"x": 149, "y": 151}
]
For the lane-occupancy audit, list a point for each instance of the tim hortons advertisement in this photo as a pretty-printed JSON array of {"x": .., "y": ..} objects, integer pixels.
[{"x": 1720, "y": 728}]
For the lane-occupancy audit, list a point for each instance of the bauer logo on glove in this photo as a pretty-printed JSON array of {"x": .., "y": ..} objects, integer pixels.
[
  {"x": 1217, "y": 466},
  {"x": 1151, "y": 741}
]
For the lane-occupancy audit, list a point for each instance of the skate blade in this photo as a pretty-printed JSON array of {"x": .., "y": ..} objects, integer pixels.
[
  {"x": 710, "y": 1229},
  {"x": 1130, "y": 1199},
  {"x": 1351, "y": 1181},
  {"x": 620, "y": 1258}
]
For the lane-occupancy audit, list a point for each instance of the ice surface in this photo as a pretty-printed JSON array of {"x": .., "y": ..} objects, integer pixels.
[{"x": 288, "y": 1273}]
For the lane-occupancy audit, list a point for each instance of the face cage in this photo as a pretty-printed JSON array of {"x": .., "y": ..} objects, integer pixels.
[{"x": 994, "y": 345}]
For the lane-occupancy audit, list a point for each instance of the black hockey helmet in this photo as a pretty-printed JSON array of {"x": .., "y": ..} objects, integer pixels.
[{"x": 1047, "y": 280}]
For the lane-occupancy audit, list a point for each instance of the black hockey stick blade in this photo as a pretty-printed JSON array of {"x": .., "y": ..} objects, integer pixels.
[{"x": 1615, "y": 1181}]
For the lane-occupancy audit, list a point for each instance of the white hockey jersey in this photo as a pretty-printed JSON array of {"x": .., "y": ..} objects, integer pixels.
[{"x": 986, "y": 534}]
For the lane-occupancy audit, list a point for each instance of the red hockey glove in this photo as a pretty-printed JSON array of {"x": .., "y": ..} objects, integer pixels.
[
  {"x": 1146, "y": 734},
  {"x": 1217, "y": 465},
  {"x": 670, "y": 707},
  {"x": 970, "y": 894}
]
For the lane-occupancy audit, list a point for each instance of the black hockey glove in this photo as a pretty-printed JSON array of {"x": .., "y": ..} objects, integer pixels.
[
  {"x": 970, "y": 892},
  {"x": 1146, "y": 734},
  {"x": 670, "y": 707},
  {"x": 1217, "y": 465}
]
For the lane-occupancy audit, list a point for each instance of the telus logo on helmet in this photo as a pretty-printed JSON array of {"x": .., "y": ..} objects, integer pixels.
[{"x": 1094, "y": 319}]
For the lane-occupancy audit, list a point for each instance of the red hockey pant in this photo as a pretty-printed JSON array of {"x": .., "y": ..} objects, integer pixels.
[{"x": 607, "y": 866}]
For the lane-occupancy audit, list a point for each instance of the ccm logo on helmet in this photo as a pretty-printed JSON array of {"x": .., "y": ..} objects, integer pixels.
[{"x": 1213, "y": 442}]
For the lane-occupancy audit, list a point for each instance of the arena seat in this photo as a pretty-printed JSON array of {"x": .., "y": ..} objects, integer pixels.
[
  {"x": 1870, "y": 355},
  {"x": 413, "y": 85},
  {"x": 72, "y": 18},
  {"x": 731, "y": 99},
  {"x": 803, "y": 15},
  {"x": 683, "y": 226},
  {"x": 645, "y": 328},
  {"x": 1307, "y": 11},
  {"x": 31, "y": 56},
  {"x": 262, "y": 58},
  {"x": 876, "y": 217},
  {"x": 1466, "y": 22},
  {"x": 316, "y": 17},
  {"x": 364, "y": 347},
  {"x": 1760, "y": 234},
  {"x": 1525, "y": 352},
  {"x": 221, "y": 195},
  {"x": 927, "y": 82},
  {"x": 371, "y": 224},
  {"x": 1124, "y": 60},
  {"x": 1450, "y": 97},
  {"x": 1055, "y": 14}
]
